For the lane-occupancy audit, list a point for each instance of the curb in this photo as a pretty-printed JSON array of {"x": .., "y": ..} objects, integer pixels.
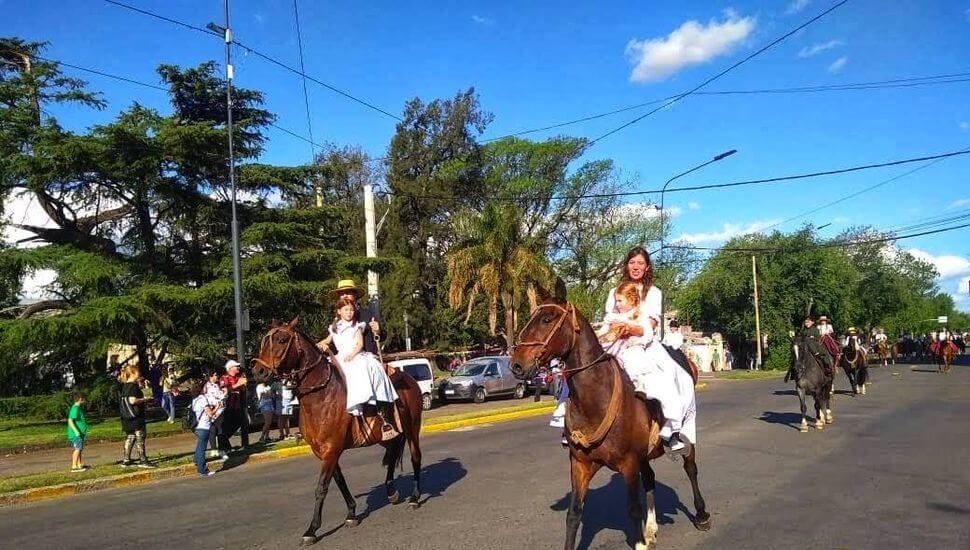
[{"x": 140, "y": 478}]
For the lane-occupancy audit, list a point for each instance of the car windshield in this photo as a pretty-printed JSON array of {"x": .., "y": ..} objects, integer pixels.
[
  {"x": 418, "y": 372},
  {"x": 471, "y": 368}
]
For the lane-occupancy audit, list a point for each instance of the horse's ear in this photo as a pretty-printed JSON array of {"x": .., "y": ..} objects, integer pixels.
[
  {"x": 274, "y": 323},
  {"x": 560, "y": 290},
  {"x": 542, "y": 294},
  {"x": 294, "y": 322}
]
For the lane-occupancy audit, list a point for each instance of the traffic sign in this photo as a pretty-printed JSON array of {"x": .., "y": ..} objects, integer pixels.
[{"x": 942, "y": 319}]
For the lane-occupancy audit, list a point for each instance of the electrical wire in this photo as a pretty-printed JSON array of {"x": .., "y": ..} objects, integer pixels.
[{"x": 306, "y": 95}]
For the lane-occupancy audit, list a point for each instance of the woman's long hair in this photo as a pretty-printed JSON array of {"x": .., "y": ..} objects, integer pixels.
[{"x": 647, "y": 280}]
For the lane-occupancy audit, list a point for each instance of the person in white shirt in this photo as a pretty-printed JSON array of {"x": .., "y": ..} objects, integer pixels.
[
  {"x": 215, "y": 396},
  {"x": 204, "y": 414},
  {"x": 674, "y": 338}
]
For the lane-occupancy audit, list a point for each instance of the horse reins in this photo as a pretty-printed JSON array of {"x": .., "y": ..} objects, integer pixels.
[
  {"x": 569, "y": 311},
  {"x": 297, "y": 376}
]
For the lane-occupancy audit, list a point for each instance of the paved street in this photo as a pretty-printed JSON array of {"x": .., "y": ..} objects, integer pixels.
[{"x": 892, "y": 472}]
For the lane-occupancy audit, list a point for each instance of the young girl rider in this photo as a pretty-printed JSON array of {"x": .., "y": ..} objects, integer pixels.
[{"x": 367, "y": 381}]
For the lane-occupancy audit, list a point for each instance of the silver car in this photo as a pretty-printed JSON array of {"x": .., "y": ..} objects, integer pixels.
[{"x": 480, "y": 379}]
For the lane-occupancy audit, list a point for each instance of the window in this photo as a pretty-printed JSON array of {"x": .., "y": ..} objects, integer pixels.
[{"x": 418, "y": 371}]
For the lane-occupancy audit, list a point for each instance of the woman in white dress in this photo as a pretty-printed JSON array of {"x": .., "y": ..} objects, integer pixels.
[
  {"x": 367, "y": 382},
  {"x": 654, "y": 372}
]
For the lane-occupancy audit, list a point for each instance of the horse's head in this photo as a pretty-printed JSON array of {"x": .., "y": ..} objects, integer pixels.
[
  {"x": 279, "y": 350},
  {"x": 550, "y": 333}
]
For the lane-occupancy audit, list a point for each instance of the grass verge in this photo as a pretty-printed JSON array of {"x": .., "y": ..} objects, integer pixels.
[
  {"x": 749, "y": 374},
  {"x": 18, "y": 435}
]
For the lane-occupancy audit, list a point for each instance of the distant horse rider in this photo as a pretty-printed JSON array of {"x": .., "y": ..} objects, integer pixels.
[
  {"x": 827, "y": 338},
  {"x": 813, "y": 338},
  {"x": 852, "y": 338}
]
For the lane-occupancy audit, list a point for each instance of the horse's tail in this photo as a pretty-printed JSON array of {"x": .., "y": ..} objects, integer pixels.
[{"x": 394, "y": 453}]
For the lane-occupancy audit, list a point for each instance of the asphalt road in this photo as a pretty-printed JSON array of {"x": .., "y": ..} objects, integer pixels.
[{"x": 892, "y": 472}]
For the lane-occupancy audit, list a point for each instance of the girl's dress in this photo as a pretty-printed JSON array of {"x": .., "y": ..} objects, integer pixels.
[
  {"x": 367, "y": 382},
  {"x": 655, "y": 373}
]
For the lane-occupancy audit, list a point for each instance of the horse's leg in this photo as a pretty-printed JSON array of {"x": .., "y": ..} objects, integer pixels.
[
  {"x": 649, "y": 480},
  {"x": 415, "y": 449},
  {"x": 630, "y": 472},
  {"x": 863, "y": 377},
  {"x": 338, "y": 476},
  {"x": 829, "y": 417},
  {"x": 392, "y": 455},
  {"x": 580, "y": 473},
  {"x": 323, "y": 485},
  {"x": 801, "y": 400},
  {"x": 819, "y": 415},
  {"x": 702, "y": 520}
]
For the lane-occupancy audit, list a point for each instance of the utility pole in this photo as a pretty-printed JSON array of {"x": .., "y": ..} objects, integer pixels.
[
  {"x": 407, "y": 334},
  {"x": 241, "y": 317},
  {"x": 370, "y": 232},
  {"x": 757, "y": 313}
]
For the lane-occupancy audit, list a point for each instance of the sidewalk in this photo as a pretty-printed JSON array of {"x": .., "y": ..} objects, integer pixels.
[{"x": 96, "y": 454}]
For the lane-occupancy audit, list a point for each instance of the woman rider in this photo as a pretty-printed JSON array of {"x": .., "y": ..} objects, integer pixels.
[{"x": 654, "y": 372}]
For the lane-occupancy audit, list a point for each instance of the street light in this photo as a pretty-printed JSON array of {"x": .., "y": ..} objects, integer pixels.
[{"x": 663, "y": 231}]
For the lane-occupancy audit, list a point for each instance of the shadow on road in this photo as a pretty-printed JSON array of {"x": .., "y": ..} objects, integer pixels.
[
  {"x": 934, "y": 371},
  {"x": 951, "y": 508},
  {"x": 606, "y": 509},
  {"x": 436, "y": 479},
  {"x": 790, "y": 419}
]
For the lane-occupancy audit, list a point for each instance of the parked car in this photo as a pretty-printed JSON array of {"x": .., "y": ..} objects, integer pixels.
[
  {"x": 480, "y": 379},
  {"x": 420, "y": 370}
]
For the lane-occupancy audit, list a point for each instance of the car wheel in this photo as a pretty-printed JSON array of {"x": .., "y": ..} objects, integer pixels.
[
  {"x": 519, "y": 392},
  {"x": 479, "y": 395},
  {"x": 426, "y": 402}
]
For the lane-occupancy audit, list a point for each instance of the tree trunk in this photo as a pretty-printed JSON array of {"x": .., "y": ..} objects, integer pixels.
[{"x": 509, "y": 308}]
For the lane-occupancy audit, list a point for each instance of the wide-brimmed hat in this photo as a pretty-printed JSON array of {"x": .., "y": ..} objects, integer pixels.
[
  {"x": 823, "y": 318},
  {"x": 851, "y": 330},
  {"x": 346, "y": 285}
]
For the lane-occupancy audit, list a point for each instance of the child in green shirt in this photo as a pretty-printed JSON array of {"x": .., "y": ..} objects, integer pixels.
[{"x": 77, "y": 430}]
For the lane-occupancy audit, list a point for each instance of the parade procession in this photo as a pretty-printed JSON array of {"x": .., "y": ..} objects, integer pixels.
[{"x": 505, "y": 276}]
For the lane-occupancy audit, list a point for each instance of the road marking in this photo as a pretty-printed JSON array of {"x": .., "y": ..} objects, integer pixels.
[{"x": 470, "y": 428}]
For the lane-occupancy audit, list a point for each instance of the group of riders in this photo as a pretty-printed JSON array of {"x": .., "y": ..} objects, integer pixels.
[{"x": 822, "y": 342}]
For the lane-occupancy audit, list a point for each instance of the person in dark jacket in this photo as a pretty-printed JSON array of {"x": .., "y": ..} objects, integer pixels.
[{"x": 132, "y": 403}]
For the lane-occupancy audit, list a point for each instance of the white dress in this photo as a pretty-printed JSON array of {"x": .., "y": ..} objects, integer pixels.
[
  {"x": 656, "y": 374},
  {"x": 367, "y": 383}
]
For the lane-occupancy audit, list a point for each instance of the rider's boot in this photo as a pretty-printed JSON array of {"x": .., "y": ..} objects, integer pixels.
[
  {"x": 386, "y": 412},
  {"x": 674, "y": 446}
]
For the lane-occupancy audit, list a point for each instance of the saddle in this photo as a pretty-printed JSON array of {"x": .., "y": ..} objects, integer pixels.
[{"x": 371, "y": 428}]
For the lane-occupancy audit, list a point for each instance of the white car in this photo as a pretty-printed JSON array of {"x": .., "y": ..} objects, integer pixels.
[{"x": 420, "y": 370}]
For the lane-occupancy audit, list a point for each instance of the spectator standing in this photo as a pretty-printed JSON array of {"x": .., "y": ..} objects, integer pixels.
[
  {"x": 170, "y": 391},
  {"x": 267, "y": 407},
  {"x": 132, "y": 405},
  {"x": 215, "y": 396},
  {"x": 236, "y": 416},
  {"x": 77, "y": 430},
  {"x": 287, "y": 405},
  {"x": 205, "y": 413}
]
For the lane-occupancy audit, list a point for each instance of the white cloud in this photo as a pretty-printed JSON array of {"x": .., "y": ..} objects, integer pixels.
[
  {"x": 960, "y": 203},
  {"x": 838, "y": 64},
  {"x": 693, "y": 205},
  {"x": 692, "y": 43},
  {"x": 965, "y": 125},
  {"x": 649, "y": 210},
  {"x": 797, "y": 6},
  {"x": 482, "y": 20},
  {"x": 954, "y": 275},
  {"x": 841, "y": 219},
  {"x": 815, "y": 49},
  {"x": 729, "y": 231},
  {"x": 258, "y": 17}
]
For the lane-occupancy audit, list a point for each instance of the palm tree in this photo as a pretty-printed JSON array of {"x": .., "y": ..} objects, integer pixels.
[{"x": 493, "y": 257}]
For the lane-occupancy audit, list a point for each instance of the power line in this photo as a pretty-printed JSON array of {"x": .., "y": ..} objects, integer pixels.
[
  {"x": 871, "y": 85},
  {"x": 867, "y": 189},
  {"x": 259, "y": 54},
  {"x": 720, "y": 74},
  {"x": 306, "y": 96}
]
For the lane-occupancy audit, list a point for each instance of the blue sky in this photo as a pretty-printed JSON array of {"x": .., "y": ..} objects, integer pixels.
[{"x": 538, "y": 62}]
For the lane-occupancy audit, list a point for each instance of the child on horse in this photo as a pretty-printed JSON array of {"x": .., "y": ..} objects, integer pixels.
[
  {"x": 367, "y": 381},
  {"x": 655, "y": 374}
]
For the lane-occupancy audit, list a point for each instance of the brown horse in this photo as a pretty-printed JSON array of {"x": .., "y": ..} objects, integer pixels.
[
  {"x": 325, "y": 423},
  {"x": 885, "y": 352},
  {"x": 944, "y": 357},
  {"x": 607, "y": 424}
]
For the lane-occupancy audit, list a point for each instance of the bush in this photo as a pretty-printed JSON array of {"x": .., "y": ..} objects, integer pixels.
[
  {"x": 102, "y": 396},
  {"x": 779, "y": 358},
  {"x": 37, "y": 407}
]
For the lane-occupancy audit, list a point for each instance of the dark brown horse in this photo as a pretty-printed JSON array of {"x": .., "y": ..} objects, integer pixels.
[
  {"x": 607, "y": 424},
  {"x": 944, "y": 356},
  {"x": 327, "y": 426},
  {"x": 856, "y": 366}
]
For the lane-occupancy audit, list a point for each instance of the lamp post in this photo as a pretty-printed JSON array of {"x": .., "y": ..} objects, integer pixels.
[
  {"x": 663, "y": 230},
  {"x": 241, "y": 320}
]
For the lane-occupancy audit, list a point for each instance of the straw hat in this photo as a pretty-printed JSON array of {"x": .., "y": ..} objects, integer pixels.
[
  {"x": 823, "y": 319},
  {"x": 346, "y": 285}
]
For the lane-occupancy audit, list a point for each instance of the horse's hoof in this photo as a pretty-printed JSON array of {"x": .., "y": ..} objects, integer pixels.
[
  {"x": 393, "y": 498},
  {"x": 308, "y": 540},
  {"x": 820, "y": 425},
  {"x": 414, "y": 504},
  {"x": 351, "y": 522},
  {"x": 803, "y": 428},
  {"x": 705, "y": 525}
]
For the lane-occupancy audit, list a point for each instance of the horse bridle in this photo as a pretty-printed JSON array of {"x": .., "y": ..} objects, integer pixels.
[
  {"x": 296, "y": 377},
  {"x": 568, "y": 311}
]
